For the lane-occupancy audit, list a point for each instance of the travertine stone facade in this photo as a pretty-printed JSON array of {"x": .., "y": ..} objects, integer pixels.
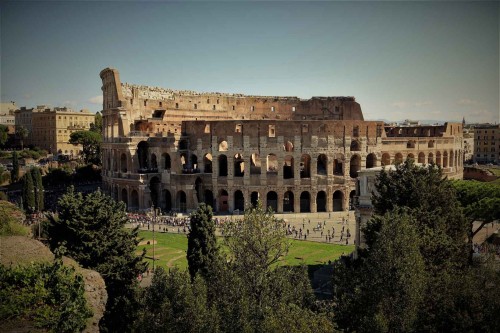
[{"x": 176, "y": 149}]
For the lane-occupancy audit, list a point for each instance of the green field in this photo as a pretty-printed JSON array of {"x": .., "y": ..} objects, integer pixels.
[{"x": 170, "y": 250}]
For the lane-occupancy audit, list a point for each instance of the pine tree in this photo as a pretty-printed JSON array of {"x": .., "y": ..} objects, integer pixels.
[
  {"x": 91, "y": 228},
  {"x": 39, "y": 195},
  {"x": 202, "y": 243},
  {"x": 28, "y": 193},
  {"x": 14, "y": 174}
]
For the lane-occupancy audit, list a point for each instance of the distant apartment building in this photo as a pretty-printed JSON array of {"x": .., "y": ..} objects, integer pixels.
[
  {"x": 50, "y": 128},
  {"x": 7, "y": 117},
  {"x": 468, "y": 144},
  {"x": 487, "y": 144}
]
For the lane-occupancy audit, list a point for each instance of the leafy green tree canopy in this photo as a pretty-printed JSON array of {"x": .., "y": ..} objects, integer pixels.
[
  {"x": 91, "y": 145},
  {"x": 3, "y": 135}
]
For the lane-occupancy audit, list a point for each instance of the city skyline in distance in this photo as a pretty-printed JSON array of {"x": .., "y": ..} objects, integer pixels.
[{"x": 400, "y": 60}]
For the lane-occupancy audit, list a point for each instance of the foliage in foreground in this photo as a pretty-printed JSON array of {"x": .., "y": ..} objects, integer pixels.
[
  {"x": 91, "y": 230},
  {"x": 239, "y": 291},
  {"x": 415, "y": 275},
  {"x": 50, "y": 295}
]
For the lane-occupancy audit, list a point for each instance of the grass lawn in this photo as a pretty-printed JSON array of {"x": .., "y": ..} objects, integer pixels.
[{"x": 170, "y": 250}]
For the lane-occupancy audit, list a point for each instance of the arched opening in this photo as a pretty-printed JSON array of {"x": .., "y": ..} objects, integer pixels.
[
  {"x": 430, "y": 144},
  {"x": 209, "y": 198},
  {"x": 410, "y": 144},
  {"x": 166, "y": 162},
  {"x": 223, "y": 145},
  {"x": 288, "y": 201},
  {"x": 154, "y": 162},
  {"x": 123, "y": 162},
  {"x": 239, "y": 166},
  {"x": 288, "y": 167},
  {"x": 272, "y": 163},
  {"x": 354, "y": 166},
  {"x": 198, "y": 187},
  {"x": 134, "y": 196},
  {"x": 452, "y": 159},
  {"x": 255, "y": 165},
  {"x": 321, "y": 202},
  {"x": 125, "y": 197},
  {"x": 321, "y": 164},
  {"x": 272, "y": 201},
  {"x": 183, "y": 144},
  {"x": 445, "y": 159},
  {"x": 430, "y": 158},
  {"x": 142, "y": 155},
  {"x": 305, "y": 202},
  {"x": 207, "y": 162},
  {"x": 355, "y": 146},
  {"x": 115, "y": 164},
  {"x": 305, "y": 166},
  {"x": 386, "y": 159},
  {"x": 351, "y": 199},
  {"x": 223, "y": 201},
  {"x": 222, "y": 166},
  {"x": 371, "y": 161},
  {"x": 338, "y": 166},
  {"x": 115, "y": 193},
  {"x": 154, "y": 187},
  {"x": 194, "y": 162},
  {"x": 181, "y": 201},
  {"x": 338, "y": 201},
  {"x": 398, "y": 158},
  {"x": 421, "y": 158},
  {"x": 184, "y": 161},
  {"x": 254, "y": 199},
  {"x": 167, "y": 200},
  {"x": 239, "y": 201},
  {"x": 288, "y": 146},
  {"x": 411, "y": 157},
  {"x": 438, "y": 158}
]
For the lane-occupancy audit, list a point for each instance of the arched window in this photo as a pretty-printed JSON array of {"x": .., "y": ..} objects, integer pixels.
[
  {"x": 223, "y": 146},
  {"x": 167, "y": 164},
  {"x": 288, "y": 202},
  {"x": 305, "y": 202},
  {"x": 207, "y": 162},
  {"x": 321, "y": 164},
  {"x": 305, "y": 166},
  {"x": 239, "y": 166},
  {"x": 142, "y": 155},
  {"x": 154, "y": 163},
  {"x": 338, "y": 166},
  {"x": 255, "y": 165},
  {"x": 355, "y": 166},
  {"x": 321, "y": 202},
  {"x": 222, "y": 166},
  {"x": 123, "y": 162},
  {"x": 355, "y": 146},
  {"x": 421, "y": 158},
  {"x": 239, "y": 201},
  {"x": 272, "y": 201},
  {"x": 288, "y": 167},
  {"x": 288, "y": 146},
  {"x": 338, "y": 201},
  {"x": 272, "y": 163},
  {"x": 371, "y": 161},
  {"x": 398, "y": 158}
]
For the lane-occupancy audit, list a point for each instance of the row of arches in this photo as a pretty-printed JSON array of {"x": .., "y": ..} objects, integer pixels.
[{"x": 445, "y": 159}]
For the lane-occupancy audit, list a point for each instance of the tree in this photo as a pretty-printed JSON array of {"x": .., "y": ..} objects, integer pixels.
[
  {"x": 481, "y": 203},
  {"x": 28, "y": 193},
  {"x": 91, "y": 145},
  {"x": 256, "y": 243},
  {"x": 4, "y": 135},
  {"x": 202, "y": 243},
  {"x": 91, "y": 229},
  {"x": 431, "y": 200},
  {"x": 389, "y": 286},
  {"x": 97, "y": 125},
  {"x": 38, "y": 185},
  {"x": 14, "y": 174},
  {"x": 22, "y": 133}
]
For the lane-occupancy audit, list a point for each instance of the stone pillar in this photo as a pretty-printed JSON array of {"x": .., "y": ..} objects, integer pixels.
[
  {"x": 280, "y": 202},
  {"x": 314, "y": 203}
]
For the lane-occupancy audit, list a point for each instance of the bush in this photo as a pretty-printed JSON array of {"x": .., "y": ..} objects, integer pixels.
[
  {"x": 48, "y": 294},
  {"x": 4, "y": 177}
]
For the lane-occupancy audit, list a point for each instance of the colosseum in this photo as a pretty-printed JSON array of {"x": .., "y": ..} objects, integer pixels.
[{"x": 176, "y": 149}]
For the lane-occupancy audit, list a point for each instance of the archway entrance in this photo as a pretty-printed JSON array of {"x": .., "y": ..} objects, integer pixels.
[
  {"x": 288, "y": 201},
  {"x": 239, "y": 201},
  {"x": 254, "y": 198},
  {"x": 223, "y": 198},
  {"x": 305, "y": 202},
  {"x": 338, "y": 201},
  {"x": 272, "y": 201},
  {"x": 321, "y": 201}
]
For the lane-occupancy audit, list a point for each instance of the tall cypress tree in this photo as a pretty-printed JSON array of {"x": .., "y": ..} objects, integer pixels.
[
  {"x": 202, "y": 244},
  {"x": 28, "y": 193},
  {"x": 14, "y": 173},
  {"x": 37, "y": 182}
]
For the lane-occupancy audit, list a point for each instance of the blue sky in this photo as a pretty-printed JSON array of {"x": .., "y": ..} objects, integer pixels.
[{"x": 417, "y": 60}]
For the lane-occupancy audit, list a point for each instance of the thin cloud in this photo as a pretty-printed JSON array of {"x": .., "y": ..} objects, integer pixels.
[
  {"x": 96, "y": 99},
  {"x": 400, "y": 104},
  {"x": 467, "y": 101},
  {"x": 424, "y": 103}
]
